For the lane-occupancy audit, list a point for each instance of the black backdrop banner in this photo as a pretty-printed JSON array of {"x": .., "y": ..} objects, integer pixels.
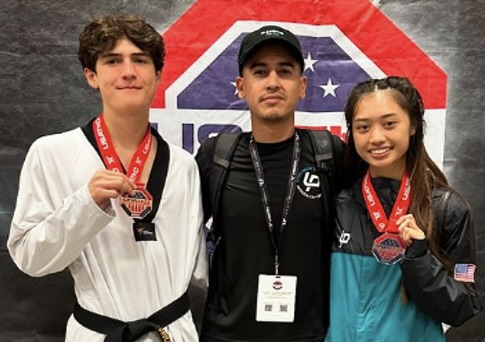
[{"x": 43, "y": 91}]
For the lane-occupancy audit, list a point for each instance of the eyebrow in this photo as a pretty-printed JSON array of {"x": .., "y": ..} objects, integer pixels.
[
  {"x": 385, "y": 116},
  {"x": 281, "y": 64},
  {"x": 136, "y": 54}
]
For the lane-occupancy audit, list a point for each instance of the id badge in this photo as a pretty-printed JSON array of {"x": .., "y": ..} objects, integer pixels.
[{"x": 276, "y": 298}]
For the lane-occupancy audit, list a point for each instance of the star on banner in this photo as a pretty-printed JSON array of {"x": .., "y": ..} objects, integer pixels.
[
  {"x": 329, "y": 88},
  {"x": 309, "y": 62}
]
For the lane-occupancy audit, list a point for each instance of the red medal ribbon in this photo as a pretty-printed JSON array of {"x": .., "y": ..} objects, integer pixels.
[
  {"x": 108, "y": 152},
  {"x": 376, "y": 211}
]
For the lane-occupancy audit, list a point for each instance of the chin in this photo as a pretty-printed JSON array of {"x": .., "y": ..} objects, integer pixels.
[
  {"x": 134, "y": 105},
  {"x": 274, "y": 117}
]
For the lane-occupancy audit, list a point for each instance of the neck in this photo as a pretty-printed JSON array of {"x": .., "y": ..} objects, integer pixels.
[
  {"x": 126, "y": 131},
  {"x": 393, "y": 172},
  {"x": 272, "y": 132}
]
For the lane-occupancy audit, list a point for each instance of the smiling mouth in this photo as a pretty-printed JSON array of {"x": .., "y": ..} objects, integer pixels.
[{"x": 379, "y": 151}]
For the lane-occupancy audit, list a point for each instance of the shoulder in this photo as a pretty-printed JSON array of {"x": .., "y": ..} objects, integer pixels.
[
  {"x": 58, "y": 140},
  {"x": 52, "y": 153},
  {"x": 179, "y": 152},
  {"x": 453, "y": 213},
  {"x": 348, "y": 193},
  {"x": 205, "y": 154},
  {"x": 180, "y": 156},
  {"x": 337, "y": 144},
  {"x": 227, "y": 139},
  {"x": 59, "y": 144},
  {"x": 207, "y": 147},
  {"x": 450, "y": 201},
  {"x": 223, "y": 144},
  {"x": 454, "y": 225}
]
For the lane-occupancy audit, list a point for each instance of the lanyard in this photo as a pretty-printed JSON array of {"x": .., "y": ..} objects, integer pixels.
[
  {"x": 374, "y": 206},
  {"x": 108, "y": 152},
  {"x": 258, "y": 168}
]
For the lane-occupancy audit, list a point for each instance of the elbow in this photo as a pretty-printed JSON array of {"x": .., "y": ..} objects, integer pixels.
[
  {"x": 25, "y": 261},
  {"x": 30, "y": 268},
  {"x": 468, "y": 312}
]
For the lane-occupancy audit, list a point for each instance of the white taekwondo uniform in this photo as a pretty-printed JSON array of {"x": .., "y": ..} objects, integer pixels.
[{"x": 56, "y": 224}]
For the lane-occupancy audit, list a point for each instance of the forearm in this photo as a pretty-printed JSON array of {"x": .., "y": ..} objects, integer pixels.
[
  {"x": 437, "y": 293},
  {"x": 43, "y": 242}
]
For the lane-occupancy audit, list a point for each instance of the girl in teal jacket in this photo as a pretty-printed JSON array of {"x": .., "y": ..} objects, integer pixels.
[{"x": 403, "y": 259}]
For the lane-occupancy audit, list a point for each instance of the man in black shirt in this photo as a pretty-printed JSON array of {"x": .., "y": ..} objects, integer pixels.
[{"x": 270, "y": 269}]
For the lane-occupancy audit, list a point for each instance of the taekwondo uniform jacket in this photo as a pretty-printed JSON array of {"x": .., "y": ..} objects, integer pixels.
[{"x": 56, "y": 224}]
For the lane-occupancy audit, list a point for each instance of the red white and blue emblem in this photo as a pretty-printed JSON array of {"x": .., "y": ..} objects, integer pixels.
[
  {"x": 343, "y": 43},
  {"x": 137, "y": 205},
  {"x": 389, "y": 249}
]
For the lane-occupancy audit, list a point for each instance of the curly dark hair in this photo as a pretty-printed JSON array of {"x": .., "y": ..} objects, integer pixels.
[{"x": 101, "y": 35}]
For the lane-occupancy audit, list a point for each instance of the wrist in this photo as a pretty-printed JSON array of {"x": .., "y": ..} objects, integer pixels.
[{"x": 417, "y": 249}]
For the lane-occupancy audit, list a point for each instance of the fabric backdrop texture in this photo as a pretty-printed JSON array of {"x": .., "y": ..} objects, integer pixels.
[{"x": 43, "y": 91}]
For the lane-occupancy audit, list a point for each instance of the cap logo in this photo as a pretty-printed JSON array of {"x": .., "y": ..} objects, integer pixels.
[{"x": 272, "y": 33}]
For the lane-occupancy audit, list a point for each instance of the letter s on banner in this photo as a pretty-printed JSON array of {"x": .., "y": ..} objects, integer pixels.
[{"x": 204, "y": 132}]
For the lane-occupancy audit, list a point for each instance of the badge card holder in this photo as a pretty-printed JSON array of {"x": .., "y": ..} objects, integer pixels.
[{"x": 276, "y": 298}]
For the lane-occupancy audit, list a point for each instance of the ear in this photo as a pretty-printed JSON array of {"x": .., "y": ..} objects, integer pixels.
[
  {"x": 158, "y": 77},
  {"x": 91, "y": 78},
  {"x": 303, "y": 84},
  {"x": 413, "y": 131},
  {"x": 240, "y": 87}
]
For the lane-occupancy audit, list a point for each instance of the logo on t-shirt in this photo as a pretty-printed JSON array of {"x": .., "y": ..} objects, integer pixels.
[{"x": 308, "y": 183}]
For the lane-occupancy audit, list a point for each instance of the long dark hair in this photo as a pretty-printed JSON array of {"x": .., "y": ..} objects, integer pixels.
[{"x": 424, "y": 173}]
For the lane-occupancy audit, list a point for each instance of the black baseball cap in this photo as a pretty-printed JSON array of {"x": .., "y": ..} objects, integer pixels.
[{"x": 266, "y": 34}]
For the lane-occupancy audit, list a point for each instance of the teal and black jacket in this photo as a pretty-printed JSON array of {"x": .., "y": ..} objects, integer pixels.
[{"x": 366, "y": 302}]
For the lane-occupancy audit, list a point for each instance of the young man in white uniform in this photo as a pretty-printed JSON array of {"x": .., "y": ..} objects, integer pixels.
[{"x": 115, "y": 203}]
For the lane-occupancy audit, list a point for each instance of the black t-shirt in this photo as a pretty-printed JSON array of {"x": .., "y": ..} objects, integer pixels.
[{"x": 245, "y": 252}]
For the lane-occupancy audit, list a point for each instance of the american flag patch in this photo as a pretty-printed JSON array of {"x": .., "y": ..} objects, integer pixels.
[{"x": 465, "y": 273}]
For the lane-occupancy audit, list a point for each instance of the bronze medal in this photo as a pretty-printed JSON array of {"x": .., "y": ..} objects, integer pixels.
[
  {"x": 389, "y": 249},
  {"x": 137, "y": 205}
]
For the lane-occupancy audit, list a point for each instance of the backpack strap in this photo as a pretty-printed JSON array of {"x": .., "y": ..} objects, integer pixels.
[
  {"x": 323, "y": 150},
  {"x": 441, "y": 213},
  {"x": 225, "y": 145}
]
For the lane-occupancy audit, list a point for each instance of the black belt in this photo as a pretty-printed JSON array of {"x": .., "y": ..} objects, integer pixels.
[{"x": 119, "y": 331}]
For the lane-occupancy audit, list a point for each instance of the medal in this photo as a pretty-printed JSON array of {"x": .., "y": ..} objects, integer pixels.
[
  {"x": 388, "y": 248},
  {"x": 139, "y": 204}
]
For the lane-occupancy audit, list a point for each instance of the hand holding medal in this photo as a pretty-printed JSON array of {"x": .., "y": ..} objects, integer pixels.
[
  {"x": 408, "y": 230},
  {"x": 106, "y": 185}
]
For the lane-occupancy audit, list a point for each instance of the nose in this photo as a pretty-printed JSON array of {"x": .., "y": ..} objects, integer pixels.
[
  {"x": 377, "y": 135},
  {"x": 273, "y": 80},
  {"x": 128, "y": 69}
]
